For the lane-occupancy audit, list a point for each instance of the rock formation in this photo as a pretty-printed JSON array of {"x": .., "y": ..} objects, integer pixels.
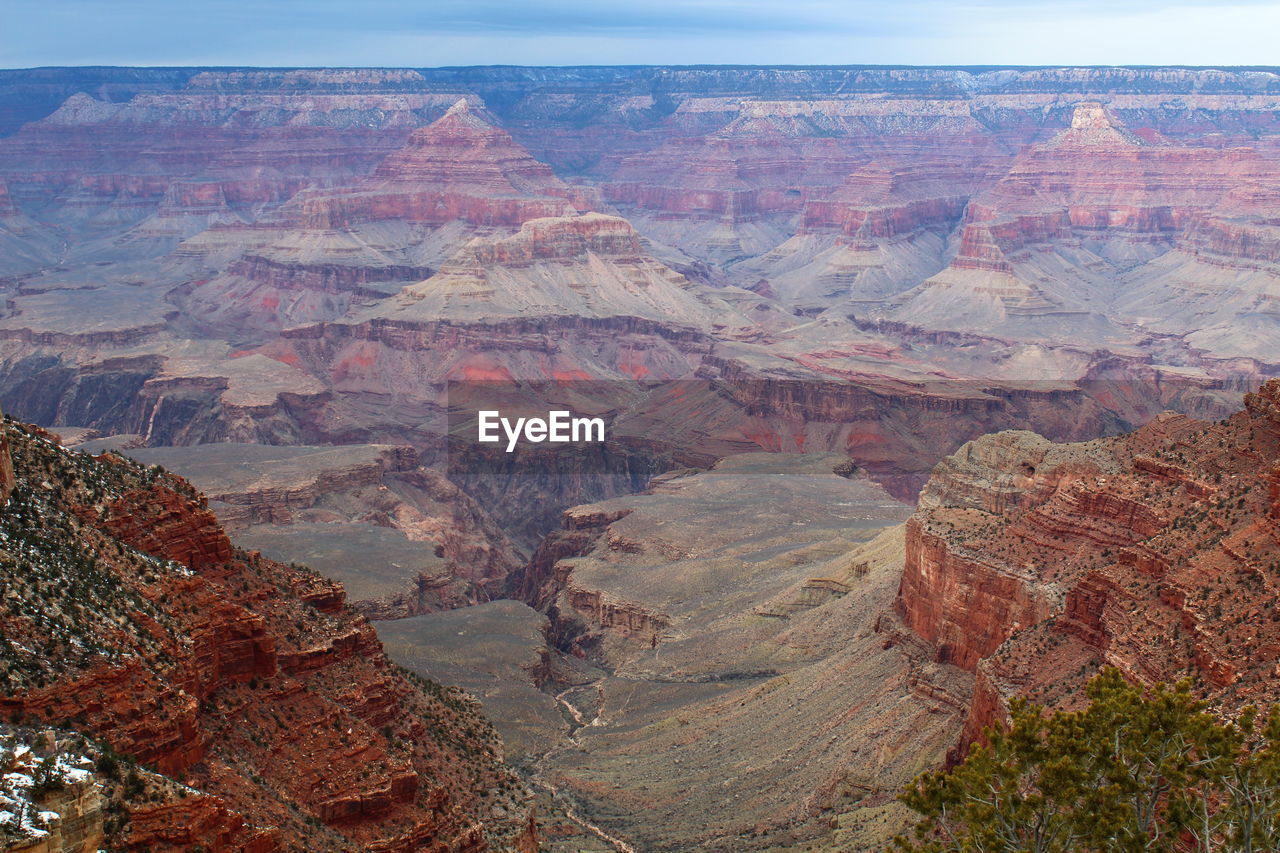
[
  {"x": 401, "y": 538},
  {"x": 288, "y": 273},
  {"x": 1071, "y": 218},
  {"x": 1034, "y": 564},
  {"x": 460, "y": 167},
  {"x": 131, "y": 618},
  {"x": 291, "y": 205}
]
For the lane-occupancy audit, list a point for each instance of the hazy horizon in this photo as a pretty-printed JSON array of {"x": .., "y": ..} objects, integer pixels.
[
  {"x": 980, "y": 68},
  {"x": 449, "y": 33}
]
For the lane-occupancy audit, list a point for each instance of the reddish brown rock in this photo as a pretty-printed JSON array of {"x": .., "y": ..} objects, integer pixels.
[
  {"x": 1097, "y": 175},
  {"x": 7, "y": 480},
  {"x": 130, "y": 706},
  {"x": 965, "y": 606},
  {"x": 195, "y": 821},
  {"x": 165, "y": 524},
  {"x": 209, "y": 666},
  {"x": 1157, "y": 554}
]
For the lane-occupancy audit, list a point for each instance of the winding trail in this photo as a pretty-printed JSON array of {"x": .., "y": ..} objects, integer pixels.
[
  {"x": 563, "y": 800},
  {"x": 573, "y": 711}
]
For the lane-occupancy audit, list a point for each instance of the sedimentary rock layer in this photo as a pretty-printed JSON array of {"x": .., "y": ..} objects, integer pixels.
[
  {"x": 132, "y": 618},
  {"x": 1034, "y": 564}
]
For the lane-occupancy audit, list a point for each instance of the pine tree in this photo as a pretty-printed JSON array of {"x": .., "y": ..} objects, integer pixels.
[{"x": 1135, "y": 770}]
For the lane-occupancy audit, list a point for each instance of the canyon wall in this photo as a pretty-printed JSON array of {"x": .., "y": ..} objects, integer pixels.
[
  {"x": 296, "y": 257},
  {"x": 1033, "y": 564},
  {"x": 132, "y": 618}
]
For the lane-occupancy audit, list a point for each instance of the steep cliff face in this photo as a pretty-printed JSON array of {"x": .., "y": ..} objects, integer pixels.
[
  {"x": 1034, "y": 564},
  {"x": 7, "y": 479},
  {"x": 130, "y": 617},
  {"x": 735, "y": 180},
  {"x": 589, "y": 266},
  {"x": 730, "y": 193}
]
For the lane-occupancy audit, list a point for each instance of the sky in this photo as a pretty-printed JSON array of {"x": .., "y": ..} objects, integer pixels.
[{"x": 424, "y": 33}]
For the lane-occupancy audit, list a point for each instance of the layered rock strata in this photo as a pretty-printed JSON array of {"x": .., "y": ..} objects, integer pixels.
[
  {"x": 1034, "y": 564},
  {"x": 131, "y": 617}
]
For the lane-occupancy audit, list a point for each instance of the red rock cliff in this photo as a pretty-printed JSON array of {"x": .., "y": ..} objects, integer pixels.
[
  {"x": 132, "y": 618},
  {"x": 1157, "y": 552}
]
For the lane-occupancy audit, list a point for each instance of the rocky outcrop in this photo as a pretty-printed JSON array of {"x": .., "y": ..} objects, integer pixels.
[
  {"x": 7, "y": 479},
  {"x": 67, "y": 794},
  {"x": 1007, "y": 472},
  {"x": 131, "y": 618},
  {"x": 863, "y": 225},
  {"x": 1234, "y": 244},
  {"x": 589, "y": 266},
  {"x": 889, "y": 198},
  {"x": 1100, "y": 176},
  {"x": 1095, "y": 204},
  {"x": 146, "y": 717},
  {"x": 1034, "y": 564},
  {"x": 965, "y": 607},
  {"x": 402, "y": 537},
  {"x": 329, "y": 278},
  {"x": 169, "y": 525},
  {"x": 193, "y": 822},
  {"x": 566, "y": 240},
  {"x": 277, "y": 489},
  {"x": 618, "y": 616}
]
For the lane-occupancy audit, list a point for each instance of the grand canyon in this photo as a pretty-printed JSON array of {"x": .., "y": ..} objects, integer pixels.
[{"x": 925, "y": 390}]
